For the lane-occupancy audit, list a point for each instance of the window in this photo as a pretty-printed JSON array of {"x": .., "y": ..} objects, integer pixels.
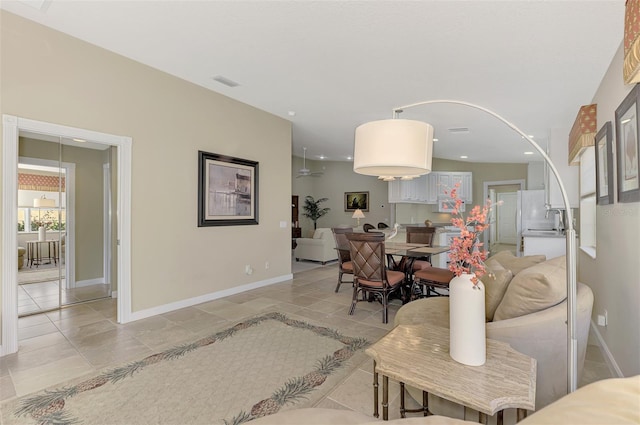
[
  {"x": 588, "y": 202},
  {"x": 29, "y": 219}
]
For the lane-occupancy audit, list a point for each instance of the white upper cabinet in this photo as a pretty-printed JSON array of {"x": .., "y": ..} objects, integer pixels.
[{"x": 426, "y": 189}]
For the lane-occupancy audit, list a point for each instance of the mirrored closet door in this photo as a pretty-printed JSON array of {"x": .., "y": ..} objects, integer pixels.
[{"x": 65, "y": 229}]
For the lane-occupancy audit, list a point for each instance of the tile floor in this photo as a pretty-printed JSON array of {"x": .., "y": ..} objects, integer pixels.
[
  {"x": 58, "y": 346},
  {"x": 43, "y": 296}
]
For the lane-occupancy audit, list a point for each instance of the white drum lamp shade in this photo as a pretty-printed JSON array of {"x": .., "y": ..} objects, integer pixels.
[
  {"x": 44, "y": 202},
  {"x": 394, "y": 148}
]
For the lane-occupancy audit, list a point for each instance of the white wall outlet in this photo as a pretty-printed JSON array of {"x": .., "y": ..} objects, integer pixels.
[
  {"x": 603, "y": 319},
  {"x": 266, "y": 265},
  {"x": 248, "y": 270}
]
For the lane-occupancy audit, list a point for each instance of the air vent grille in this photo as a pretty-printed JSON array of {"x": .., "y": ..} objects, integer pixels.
[
  {"x": 225, "y": 81},
  {"x": 459, "y": 130}
]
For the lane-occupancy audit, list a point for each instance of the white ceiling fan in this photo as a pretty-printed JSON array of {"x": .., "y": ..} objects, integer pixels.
[{"x": 304, "y": 171}]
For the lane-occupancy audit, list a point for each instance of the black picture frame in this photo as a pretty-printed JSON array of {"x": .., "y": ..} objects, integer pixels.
[
  {"x": 627, "y": 147},
  {"x": 604, "y": 164},
  {"x": 356, "y": 201},
  {"x": 227, "y": 190}
]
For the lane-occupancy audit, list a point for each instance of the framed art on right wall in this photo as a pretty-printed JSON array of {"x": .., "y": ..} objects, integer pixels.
[
  {"x": 604, "y": 165},
  {"x": 627, "y": 146}
]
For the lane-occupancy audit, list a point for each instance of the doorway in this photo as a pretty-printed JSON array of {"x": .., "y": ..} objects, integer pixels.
[
  {"x": 13, "y": 129},
  {"x": 501, "y": 218}
]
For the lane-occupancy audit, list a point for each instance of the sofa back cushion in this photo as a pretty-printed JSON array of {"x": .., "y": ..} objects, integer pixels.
[
  {"x": 534, "y": 289},
  {"x": 495, "y": 285},
  {"x": 516, "y": 264}
]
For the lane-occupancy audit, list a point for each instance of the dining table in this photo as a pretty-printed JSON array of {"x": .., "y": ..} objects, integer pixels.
[{"x": 408, "y": 253}]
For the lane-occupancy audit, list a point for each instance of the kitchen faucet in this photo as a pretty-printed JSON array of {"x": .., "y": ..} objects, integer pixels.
[{"x": 560, "y": 217}]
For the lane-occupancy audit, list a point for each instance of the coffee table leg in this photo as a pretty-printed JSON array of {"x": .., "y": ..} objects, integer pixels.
[
  {"x": 521, "y": 414},
  {"x": 425, "y": 403},
  {"x": 385, "y": 398},
  {"x": 402, "y": 410},
  {"x": 500, "y": 418},
  {"x": 376, "y": 414}
]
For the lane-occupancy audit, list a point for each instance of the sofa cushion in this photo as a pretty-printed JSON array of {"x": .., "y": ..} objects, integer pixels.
[
  {"x": 516, "y": 264},
  {"x": 495, "y": 285},
  {"x": 534, "y": 289}
]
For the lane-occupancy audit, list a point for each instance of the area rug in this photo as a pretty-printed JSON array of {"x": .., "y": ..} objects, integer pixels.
[{"x": 256, "y": 368}]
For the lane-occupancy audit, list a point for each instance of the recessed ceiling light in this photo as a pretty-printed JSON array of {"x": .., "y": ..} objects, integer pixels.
[
  {"x": 464, "y": 156},
  {"x": 532, "y": 136},
  {"x": 349, "y": 158},
  {"x": 528, "y": 153},
  {"x": 435, "y": 140},
  {"x": 292, "y": 113},
  {"x": 79, "y": 140},
  {"x": 322, "y": 157}
]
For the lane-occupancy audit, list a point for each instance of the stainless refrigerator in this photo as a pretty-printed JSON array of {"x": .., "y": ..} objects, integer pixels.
[{"x": 531, "y": 212}]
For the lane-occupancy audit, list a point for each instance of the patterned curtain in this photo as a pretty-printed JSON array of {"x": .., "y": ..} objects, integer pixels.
[{"x": 40, "y": 182}]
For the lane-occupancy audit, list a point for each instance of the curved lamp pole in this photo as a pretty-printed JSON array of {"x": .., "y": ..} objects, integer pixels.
[{"x": 572, "y": 342}]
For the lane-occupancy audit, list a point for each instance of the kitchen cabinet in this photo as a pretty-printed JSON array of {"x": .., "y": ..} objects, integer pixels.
[
  {"x": 439, "y": 181},
  {"x": 409, "y": 191},
  {"x": 426, "y": 189},
  {"x": 552, "y": 247}
]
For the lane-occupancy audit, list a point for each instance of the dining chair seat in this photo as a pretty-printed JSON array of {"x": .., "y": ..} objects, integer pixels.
[
  {"x": 432, "y": 278},
  {"x": 421, "y": 265},
  {"x": 393, "y": 277}
]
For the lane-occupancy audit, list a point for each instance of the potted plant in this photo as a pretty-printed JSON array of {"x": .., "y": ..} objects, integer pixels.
[{"x": 312, "y": 209}]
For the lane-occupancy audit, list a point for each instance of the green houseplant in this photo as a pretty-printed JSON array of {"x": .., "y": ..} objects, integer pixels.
[{"x": 313, "y": 211}]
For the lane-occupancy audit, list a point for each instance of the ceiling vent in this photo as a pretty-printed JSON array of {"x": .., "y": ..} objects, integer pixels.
[
  {"x": 224, "y": 80},
  {"x": 459, "y": 130}
]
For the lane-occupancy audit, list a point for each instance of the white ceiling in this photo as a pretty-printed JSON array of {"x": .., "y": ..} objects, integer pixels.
[{"x": 338, "y": 64}]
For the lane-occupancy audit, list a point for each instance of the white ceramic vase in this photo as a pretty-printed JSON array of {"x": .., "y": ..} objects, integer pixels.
[
  {"x": 42, "y": 233},
  {"x": 467, "y": 333}
]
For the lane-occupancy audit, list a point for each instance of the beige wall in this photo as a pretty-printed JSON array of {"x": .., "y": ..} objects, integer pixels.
[
  {"x": 613, "y": 274},
  {"x": 337, "y": 179},
  {"x": 49, "y": 76},
  {"x": 87, "y": 197}
]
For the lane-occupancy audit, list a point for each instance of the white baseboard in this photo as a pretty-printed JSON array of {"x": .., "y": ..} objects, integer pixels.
[
  {"x": 87, "y": 282},
  {"x": 608, "y": 356},
  {"x": 114, "y": 294},
  {"x": 143, "y": 314}
]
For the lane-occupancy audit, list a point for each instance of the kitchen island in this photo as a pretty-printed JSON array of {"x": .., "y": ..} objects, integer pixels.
[{"x": 551, "y": 243}]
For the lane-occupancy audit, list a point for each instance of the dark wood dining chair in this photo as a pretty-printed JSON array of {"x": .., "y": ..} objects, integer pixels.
[
  {"x": 371, "y": 276},
  {"x": 382, "y": 225},
  {"x": 345, "y": 266},
  {"x": 366, "y": 227},
  {"x": 423, "y": 235}
]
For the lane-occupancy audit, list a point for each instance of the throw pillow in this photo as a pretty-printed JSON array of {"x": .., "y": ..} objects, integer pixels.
[
  {"x": 534, "y": 289},
  {"x": 517, "y": 264},
  {"x": 495, "y": 285}
]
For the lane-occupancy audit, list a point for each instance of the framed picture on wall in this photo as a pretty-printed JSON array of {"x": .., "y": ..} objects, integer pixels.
[
  {"x": 627, "y": 146},
  {"x": 227, "y": 190},
  {"x": 356, "y": 201},
  {"x": 604, "y": 165}
]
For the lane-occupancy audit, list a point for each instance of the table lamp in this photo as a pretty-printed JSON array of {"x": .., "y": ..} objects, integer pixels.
[{"x": 358, "y": 214}]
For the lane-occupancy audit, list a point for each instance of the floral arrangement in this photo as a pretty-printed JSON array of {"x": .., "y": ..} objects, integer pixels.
[{"x": 466, "y": 253}]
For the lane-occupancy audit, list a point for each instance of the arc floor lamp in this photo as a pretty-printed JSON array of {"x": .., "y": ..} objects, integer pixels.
[{"x": 399, "y": 148}]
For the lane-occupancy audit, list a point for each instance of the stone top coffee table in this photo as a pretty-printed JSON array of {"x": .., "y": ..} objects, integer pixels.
[{"x": 418, "y": 355}]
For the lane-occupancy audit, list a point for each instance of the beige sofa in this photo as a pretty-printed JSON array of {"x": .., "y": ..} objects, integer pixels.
[
  {"x": 611, "y": 401},
  {"x": 530, "y": 315},
  {"x": 321, "y": 247}
]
